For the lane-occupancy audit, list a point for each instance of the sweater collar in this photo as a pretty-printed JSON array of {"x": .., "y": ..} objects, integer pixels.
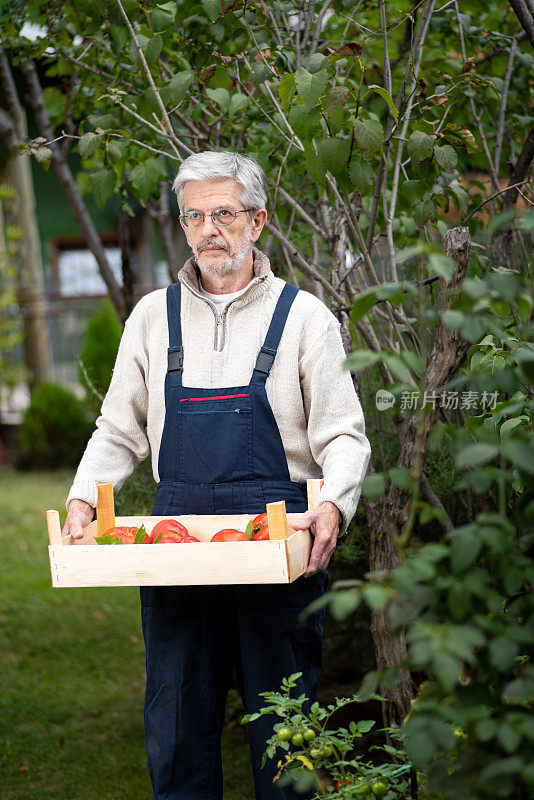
[{"x": 188, "y": 276}]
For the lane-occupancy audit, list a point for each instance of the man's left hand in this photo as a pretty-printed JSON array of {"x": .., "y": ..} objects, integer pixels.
[{"x": 323, "y": 523}]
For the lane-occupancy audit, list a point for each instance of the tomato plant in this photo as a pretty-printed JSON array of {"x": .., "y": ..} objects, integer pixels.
[
  {"x": 229, "y": 535},
  {"x": 166, "y": 525}
]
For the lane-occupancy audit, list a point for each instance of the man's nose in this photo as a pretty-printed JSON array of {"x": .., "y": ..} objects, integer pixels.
[{"x": 208, "y": 226}]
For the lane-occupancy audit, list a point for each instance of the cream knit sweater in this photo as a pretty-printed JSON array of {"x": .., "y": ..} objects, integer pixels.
[{"x": 312, "y": 397}]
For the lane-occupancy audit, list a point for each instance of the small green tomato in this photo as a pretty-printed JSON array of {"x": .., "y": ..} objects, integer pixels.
[
  {"x": 309, "y": 735},
  {"x": 297, "y": 739},
  {"x": 379, "y": 788},
  {"x": 315, "y": 752},
  {"x": 328, "y": 750},
  {"x": 284, "y": 734}
]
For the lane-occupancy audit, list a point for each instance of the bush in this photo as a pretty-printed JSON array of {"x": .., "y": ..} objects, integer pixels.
[
  {"x": 138, "y": 494},
  {"x": 55, "y": 428},
  {"x": 98, "y": 354}
]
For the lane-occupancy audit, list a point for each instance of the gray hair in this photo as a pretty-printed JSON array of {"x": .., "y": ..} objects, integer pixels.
[{"x": 220, "y": 166}]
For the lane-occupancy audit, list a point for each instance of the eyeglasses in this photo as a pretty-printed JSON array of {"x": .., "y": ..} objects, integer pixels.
[{"x": 221, "y": 216}]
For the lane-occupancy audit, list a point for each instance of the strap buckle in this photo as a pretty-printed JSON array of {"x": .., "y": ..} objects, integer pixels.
[
  {"x": 175, "y": 359},
  {"x": 265, "y": 360}
]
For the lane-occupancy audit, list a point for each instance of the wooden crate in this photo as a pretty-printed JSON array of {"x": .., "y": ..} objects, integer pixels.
[{"x": 81, "y": 562}]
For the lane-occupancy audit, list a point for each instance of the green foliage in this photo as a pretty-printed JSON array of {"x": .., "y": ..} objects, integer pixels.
[
  {"x": 10, "y": 325},
  {"x": 138, "y": 494},
  {"x": 313, "y": 755},
  {"x": 98, "y": 354},
  {"x": 55, "y": 428}
]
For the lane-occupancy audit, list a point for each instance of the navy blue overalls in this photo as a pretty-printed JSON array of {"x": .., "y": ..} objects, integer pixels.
[{"x": 221, "y": 452}]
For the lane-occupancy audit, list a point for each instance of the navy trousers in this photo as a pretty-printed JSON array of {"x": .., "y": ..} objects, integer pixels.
[{"x": 194, "y": 636}]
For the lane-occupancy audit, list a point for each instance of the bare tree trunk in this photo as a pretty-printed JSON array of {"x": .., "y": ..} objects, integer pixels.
[
  {"x": 501, "y": 242},
  {"x": 61, "y": 168},
  {"x": 29, "y": 273},
  {"x": 387, "y": 516}
]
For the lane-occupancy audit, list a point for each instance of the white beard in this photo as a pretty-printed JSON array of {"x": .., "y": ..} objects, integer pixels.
[{"x": 232, "y": 263}]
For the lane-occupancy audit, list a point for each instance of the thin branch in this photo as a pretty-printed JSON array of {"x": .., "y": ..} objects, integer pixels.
[
  {"x": 525, "y": 17},
  {"x": 493, "y": 196},
  {"x": 173, "y": 139},
  {"x": 384, "y": 27},
  {"x": 312, "y": 270},
  {"x": 301, "y": 211},
  {"x": 477, "y": 117},
  {"x": 154, "y": 128},
  {"x": 504, "y": 103}
]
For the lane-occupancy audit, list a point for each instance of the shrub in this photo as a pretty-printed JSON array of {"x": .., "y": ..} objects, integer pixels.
[
  {"x": 55, "y": 428},
  {"x": 98, "y": 354},
  {"x": 138, "y": 494}
]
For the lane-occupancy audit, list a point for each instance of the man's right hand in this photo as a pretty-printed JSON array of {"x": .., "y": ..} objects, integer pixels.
[{"x": 79, "y": 515}]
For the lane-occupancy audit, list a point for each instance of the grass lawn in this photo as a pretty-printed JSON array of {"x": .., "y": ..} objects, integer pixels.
[{"x": 71, "y": 706}]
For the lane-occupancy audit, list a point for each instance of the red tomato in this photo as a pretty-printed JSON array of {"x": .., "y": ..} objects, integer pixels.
[
  {"x": 190, "y": 538},
  {"x": 168, "y": 525},
  {"x": 170, "y": 537},
  {"x": 125, "y": 534},
  {"x": 260, "y": 528},
  {"x": 229, "y": 535}
]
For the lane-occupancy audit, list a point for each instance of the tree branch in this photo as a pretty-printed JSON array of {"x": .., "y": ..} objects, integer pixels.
[
  {"x": 525, "y": 17},
  {"x": 62, "y": 170}
]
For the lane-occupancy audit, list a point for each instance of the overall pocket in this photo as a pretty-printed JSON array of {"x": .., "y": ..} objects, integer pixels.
[{"x": 216, "y": 438}]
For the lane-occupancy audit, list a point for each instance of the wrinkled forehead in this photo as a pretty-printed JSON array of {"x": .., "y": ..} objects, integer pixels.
[{"x": 209, "y": 195}]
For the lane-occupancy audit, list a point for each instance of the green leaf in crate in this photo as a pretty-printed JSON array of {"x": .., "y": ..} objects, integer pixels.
[
  {"x": 140, "y": 535},
  {"x": 368, "y": 135},
  {"x": 248, "y": 530},
  {"x": 109, "y": 539},
  {"x": 310, "y": 87},
  {"x": 420, "y": 145}
]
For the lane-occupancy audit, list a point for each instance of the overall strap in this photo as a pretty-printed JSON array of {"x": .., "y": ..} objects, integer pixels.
[
  {"x": 267, "y": 353},
  {"x": 175, "y": 353}
]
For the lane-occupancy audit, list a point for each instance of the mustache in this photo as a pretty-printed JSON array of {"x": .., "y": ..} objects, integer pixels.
[{"x": 211, "y": 243}]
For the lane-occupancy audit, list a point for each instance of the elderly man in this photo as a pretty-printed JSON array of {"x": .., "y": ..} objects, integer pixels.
[{"x": 234, "y": 380}]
